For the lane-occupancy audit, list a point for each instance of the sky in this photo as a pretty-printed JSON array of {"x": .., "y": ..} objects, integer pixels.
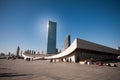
[{"x": 24, "y": 22}]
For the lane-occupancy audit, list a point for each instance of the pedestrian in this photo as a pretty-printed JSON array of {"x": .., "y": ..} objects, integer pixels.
[{"x": 51, "y": 60}]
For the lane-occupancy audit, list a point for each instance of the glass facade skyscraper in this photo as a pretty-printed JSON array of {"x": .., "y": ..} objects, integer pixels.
[{"x": 51, "y": 38}]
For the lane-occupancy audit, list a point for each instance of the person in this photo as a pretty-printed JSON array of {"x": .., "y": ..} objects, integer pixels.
[
  {"x": 77, "y": 59},
  {"x": 51, "y": 60},
  {"x": 70, "y": 60},
  {"x": 85, "y": 61},
  {"x": 7, "y": 57},
  {"x": 61, "y": 59},
  {"x": 67, "y": 60}
]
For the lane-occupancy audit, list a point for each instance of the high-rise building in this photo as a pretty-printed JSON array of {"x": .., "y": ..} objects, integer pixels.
[
  {"x": 51, "y": 38},
  {"x": 67, "y": 42},
  {"x": 17, "y": 51}
]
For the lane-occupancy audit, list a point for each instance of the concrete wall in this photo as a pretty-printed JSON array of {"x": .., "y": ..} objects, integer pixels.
[
  {"x": 72, "y": 57},
  {"x": 82, "y": 55}
]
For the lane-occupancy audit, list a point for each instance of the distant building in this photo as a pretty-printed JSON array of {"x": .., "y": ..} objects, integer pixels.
[
  {"x": 51, "y": 38},
  {"x": 40, "y": 52},
  {"x": 17, "y": 51},
  {"x": 58, "y": 51},
  {"x": 119, "y": 48},
  {"x": 67, "y": 42}
]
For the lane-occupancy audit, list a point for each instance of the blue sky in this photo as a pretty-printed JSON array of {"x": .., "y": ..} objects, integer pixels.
[{"x": 24, "y": 22}]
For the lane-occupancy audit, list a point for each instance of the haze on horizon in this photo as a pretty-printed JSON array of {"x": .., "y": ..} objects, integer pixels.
[{"x": 24, "y": 22}]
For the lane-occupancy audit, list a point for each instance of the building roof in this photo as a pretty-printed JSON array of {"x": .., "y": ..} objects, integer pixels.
[{"x": 83, "y": 44}]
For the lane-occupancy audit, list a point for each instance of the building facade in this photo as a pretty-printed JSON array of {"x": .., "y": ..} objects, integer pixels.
[{"x": 51, "y": 37}]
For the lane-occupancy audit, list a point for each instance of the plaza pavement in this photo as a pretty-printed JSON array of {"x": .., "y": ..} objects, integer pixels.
[{"x": 44, "y": 70}]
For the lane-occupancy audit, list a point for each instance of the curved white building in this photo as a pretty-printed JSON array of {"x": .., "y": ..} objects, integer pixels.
[{"x": 82, "y": 50}]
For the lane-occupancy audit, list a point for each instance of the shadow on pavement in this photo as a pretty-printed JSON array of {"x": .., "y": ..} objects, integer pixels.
[
  {"x": 12, "y": 74},
  {"x": 3, "y": 68}
]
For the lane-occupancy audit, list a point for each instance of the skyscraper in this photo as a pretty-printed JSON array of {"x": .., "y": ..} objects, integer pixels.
[
  {"x": 51, "y": 38},
  {"x": 67, "y": 42},
  {"x": 17, "y": 51}
]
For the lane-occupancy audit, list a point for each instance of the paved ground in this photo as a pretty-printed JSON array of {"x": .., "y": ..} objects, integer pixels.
[{"x": 43, "y": 70}]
